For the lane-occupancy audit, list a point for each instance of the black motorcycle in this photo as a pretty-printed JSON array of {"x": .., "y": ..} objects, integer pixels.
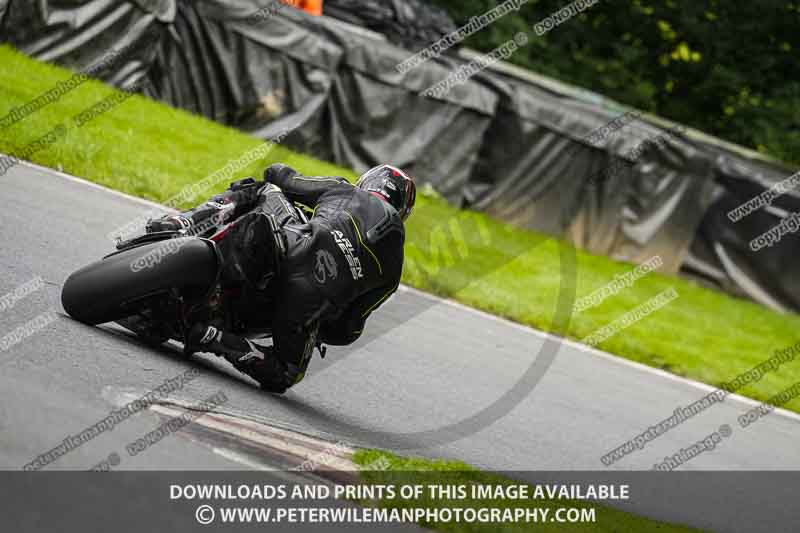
[{"x": 160, "y": 284}]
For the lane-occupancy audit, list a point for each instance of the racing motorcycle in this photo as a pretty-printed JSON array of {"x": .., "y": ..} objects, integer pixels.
[{"x": 158, "y": 285}]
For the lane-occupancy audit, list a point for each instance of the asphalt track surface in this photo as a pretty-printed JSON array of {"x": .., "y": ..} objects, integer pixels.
[{"x": 426, "y": 367}]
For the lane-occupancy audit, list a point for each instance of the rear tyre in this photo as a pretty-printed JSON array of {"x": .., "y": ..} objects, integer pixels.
[{"x": 119, "y": 285}]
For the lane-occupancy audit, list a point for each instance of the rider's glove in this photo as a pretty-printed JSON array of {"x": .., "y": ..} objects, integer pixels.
[
  {"x": 277, "y": 172},
  {"x": 243, "y": 193},
  {"x": 168, "y": 223}
]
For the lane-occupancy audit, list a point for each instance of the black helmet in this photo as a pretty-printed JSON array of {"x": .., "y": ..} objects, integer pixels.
[{"x": 393, "y": 184}]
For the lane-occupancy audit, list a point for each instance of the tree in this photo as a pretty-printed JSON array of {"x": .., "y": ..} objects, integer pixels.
[{"x": 728, "y": 68}]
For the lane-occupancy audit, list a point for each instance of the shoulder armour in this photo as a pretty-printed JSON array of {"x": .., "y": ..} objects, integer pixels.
[{"x": 388, "y": 223}]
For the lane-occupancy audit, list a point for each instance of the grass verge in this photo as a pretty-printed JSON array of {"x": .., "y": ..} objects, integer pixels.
[
  {"x": 151, "y": 150},
  {"x": 397, "y": 471}
]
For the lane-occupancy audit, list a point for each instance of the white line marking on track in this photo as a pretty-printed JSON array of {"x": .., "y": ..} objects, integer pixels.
[
  {"x": 242, "y": 460},
  {"x": 93, "y": 185},
  {"x": 599, "y": 353}
]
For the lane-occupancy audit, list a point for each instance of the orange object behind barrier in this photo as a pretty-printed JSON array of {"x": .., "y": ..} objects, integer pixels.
[{"x": 312, "y": 7}]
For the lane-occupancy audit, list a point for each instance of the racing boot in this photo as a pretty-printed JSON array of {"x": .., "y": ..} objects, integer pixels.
[{"x": 258, "y": 363}]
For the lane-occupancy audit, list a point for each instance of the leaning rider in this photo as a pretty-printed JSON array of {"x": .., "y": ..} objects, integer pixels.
[{"x": 330, "y": 274}]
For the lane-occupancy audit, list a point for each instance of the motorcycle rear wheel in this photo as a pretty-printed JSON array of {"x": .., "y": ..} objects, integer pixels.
[{"x": 118, "y": 286}]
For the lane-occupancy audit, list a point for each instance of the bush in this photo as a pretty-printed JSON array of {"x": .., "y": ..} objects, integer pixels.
[{"x": 728, "y": 68}]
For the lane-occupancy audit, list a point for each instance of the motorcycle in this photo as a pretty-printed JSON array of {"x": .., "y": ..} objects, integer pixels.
[{"x": 160, "y": 284}]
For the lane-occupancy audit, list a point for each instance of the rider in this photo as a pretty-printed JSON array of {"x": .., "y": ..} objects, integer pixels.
[{"x": 330, "y": 273}]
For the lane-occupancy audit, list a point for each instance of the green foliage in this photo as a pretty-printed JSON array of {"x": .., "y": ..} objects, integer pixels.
[{"x": 728, "y": 68}]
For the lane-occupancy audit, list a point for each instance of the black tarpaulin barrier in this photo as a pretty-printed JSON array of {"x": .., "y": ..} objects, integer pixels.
[
  {"x": 3, "y": 9},
  {"x": 378, "y": 114},
  {"x": 244, "y": 64},
  {"x": 545, "y": 170},
  {"x": 515, "y": 147},
  {"x": 412, "y": 24},
  {"x": 336, "y": 89},
  {"x": 721, "y": 254},
  {"x": 79, "y": 36}
]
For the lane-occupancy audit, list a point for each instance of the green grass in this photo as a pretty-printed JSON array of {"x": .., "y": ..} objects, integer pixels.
[
  {"x": 396, "y": 471},
  {"x": 150, "y": 150}
]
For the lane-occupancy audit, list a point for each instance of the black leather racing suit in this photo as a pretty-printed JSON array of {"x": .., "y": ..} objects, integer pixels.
[{"x": 338, "y": 268}]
